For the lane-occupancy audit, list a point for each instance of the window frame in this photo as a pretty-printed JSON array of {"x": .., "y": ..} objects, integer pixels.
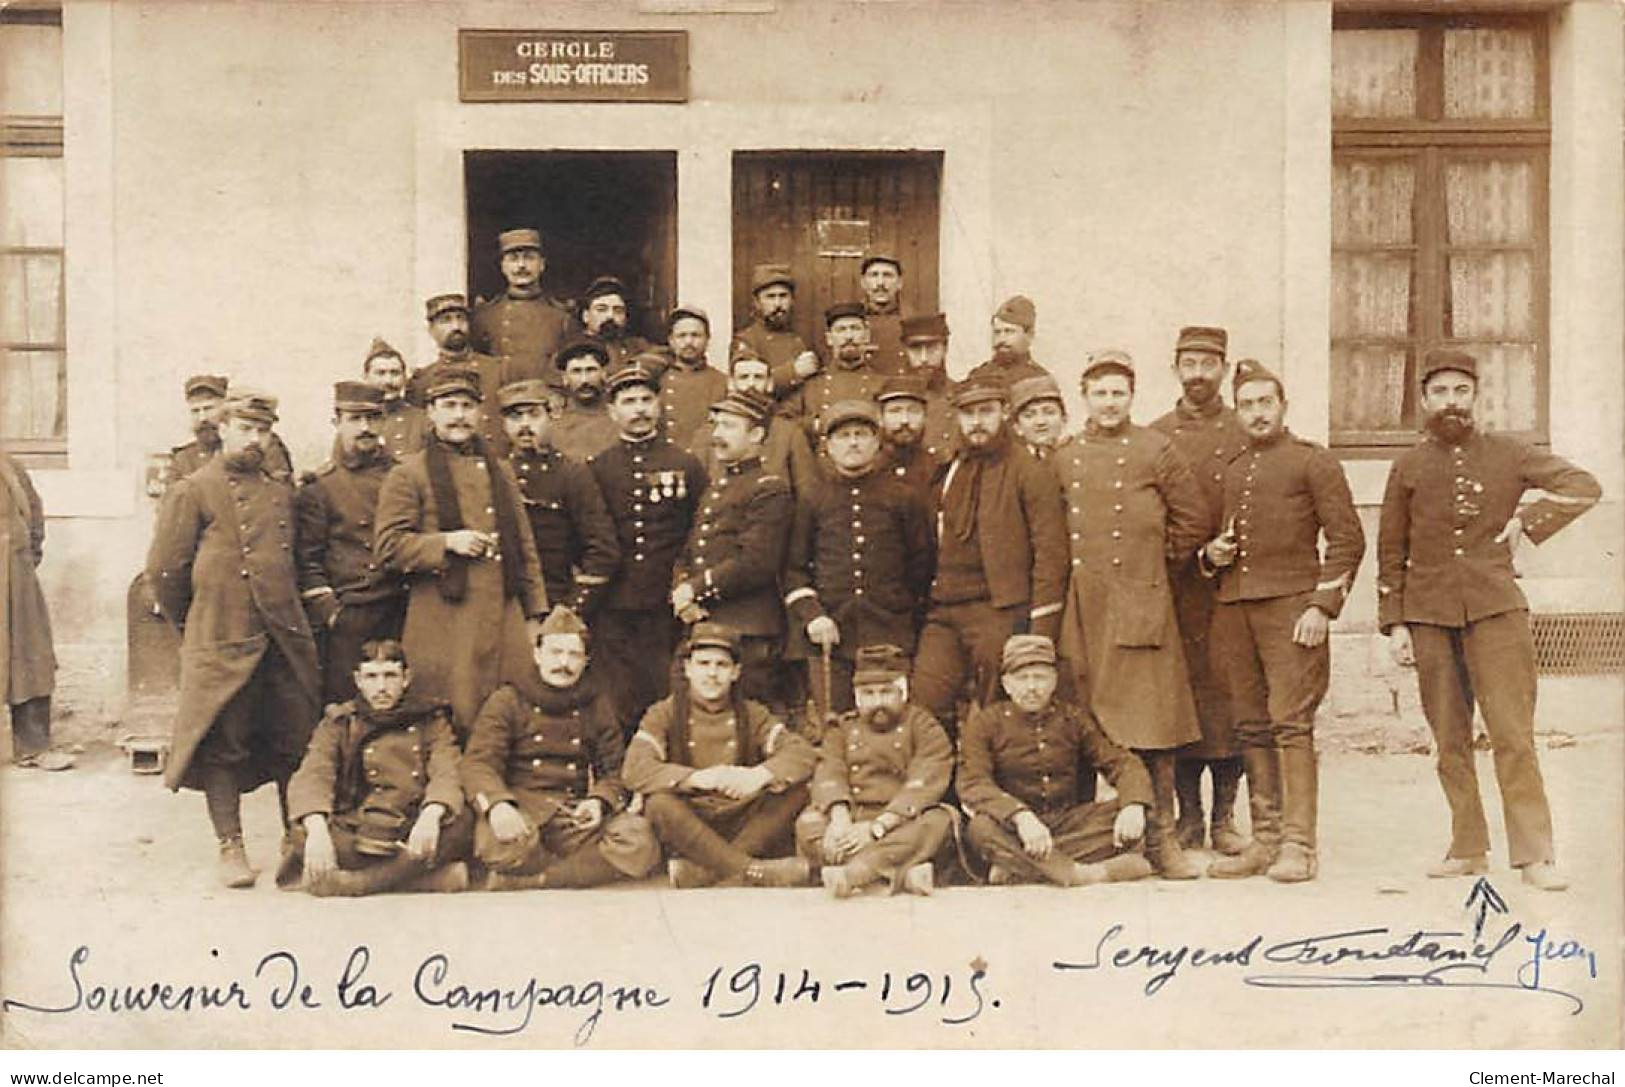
[
  {"x": 39, "y": 136},
  {"x": 1431, "y": 139}
]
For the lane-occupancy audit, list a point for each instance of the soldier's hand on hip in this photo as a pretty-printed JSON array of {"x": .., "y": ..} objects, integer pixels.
[
  {"x": 823, "y": 631},
  {"x": 507, "y": 823},
  {"x": 425, "y": 836},
  {"x": 1130, "y": 825},
  {"x": 468, "y": 543},
  {"x": 1035, "y": 836},
  {"x": 1399, "y": 646},
  {"x": 1512, "y": 535},
  {"x": 1311, "y": 627}
]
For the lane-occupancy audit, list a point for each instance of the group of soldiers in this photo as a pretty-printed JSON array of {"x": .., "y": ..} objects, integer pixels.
[{"x": 574, "y": 602}]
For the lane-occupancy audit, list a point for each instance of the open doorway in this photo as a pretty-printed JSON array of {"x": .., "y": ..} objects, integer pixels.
[{"x": 600, "y": 213}]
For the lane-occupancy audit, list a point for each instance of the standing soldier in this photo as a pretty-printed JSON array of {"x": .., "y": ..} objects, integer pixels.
[
  {"x": 690, "y": 384},
  {"x": 1208, "y": 436},
  {"x": 860, "y": 558},
  {"x": 451, "y": 520},
  {"x": 1012, "y": 334},
  {"x": 771, "y": 334},
  {"x": 404, "y": 427},
  {"x": 448, "y": 327},
  {"x": 850, "y": 374},
  {"x": 723, "y": 779},
  {"x": 524, "y": 327},
  {"x": 652, "y": 489},
  {"x": 205, "y": 404},
  {"x": 603, "y": 315},
  {"x": 925, "y": 338},
  {"x": 905, "y": 407},
  {"x": 222, "y": 568},
  {"x": 1038, "y": 415},
  {"x": 584, "y": 427},
  {"x": 1276, "y": 600},
  {"x": 1001, "y": 556},
  {"x": 575, "y": 538},
  {"x": 543, "y": 769},
  {"x": 27, "y": 658},
  {"x": 786, "y": 451},
  {"x": 1448, "y": 602},
  {"x": 882, "y": 278},
  {"x": 729, "y": 570},
  {"x": 1027, "y": 770},
  {"x": 875, "y": 810},
  {"x": 1133, "y": 510},
  {"x": 348, "y": 598}
]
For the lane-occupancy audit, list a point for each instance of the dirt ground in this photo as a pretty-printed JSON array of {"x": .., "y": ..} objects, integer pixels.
[{"x": 111, "y": 862}]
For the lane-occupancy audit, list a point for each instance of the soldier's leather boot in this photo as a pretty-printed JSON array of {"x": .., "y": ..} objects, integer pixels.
[
  {"x": 921, "y": 879},
  {"x": 1161, "y": 837},
  {"x": 1545, "y": 876},
  {"x": 779, "y": 872},
  {"x": 1223, "y": 835},
  {"x": 686, "y": 874},
  {"x": 447, "y": 879},
  {"x": 1119, "y": 869},
  {"x": 1452, "y": 867},
  {"x": 234, "y": 869},
  {"x": 1300, "y": 787},
  {"x": 1264, "y": 802},
  {"x": 1188, "y": 789}
]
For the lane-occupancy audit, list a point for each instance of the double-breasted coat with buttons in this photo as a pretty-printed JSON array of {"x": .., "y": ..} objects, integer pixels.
[
  {"x": 27, "y": 661},
  {"x": 459, "y": 651},
  {"x": 1132, "y": 510},
  {"x": 1208, "y": 438},
  {"x": 575, "y": 537},
  {"x": 834, "y": 383},
  {"x": 686, "y": 396},
  {"x": 404, "y": 427},
  {"x": 652, "y": 489},
  {"x": 524, "y": 332},
  {"x": 735, "y": 553},
  {"x": 652, "y": 767},
  {"x": 1438, "y": 559},
  {"x": 581, "y": 433},
  {"x": 373, "y": 774},
  {"x": 904, "y": 769},
  {"x": 862, "y": 553},
  {"x": 786, "y": 452},
  {"x": 222, "y": 569}
]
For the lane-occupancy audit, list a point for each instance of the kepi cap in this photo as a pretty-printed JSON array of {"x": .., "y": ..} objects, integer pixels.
[
  {"x": 252, "y": 404},
  {"x": 1110, "y": 358},
  {"x": 878, "y": 664},
  {"x": 523, "y": 238},
  {"x": 924, "y": 328},
  {"x": 766, "y": 275},
  {"x": 601, "y": 286},
  {"x": 851, "y": 411},
  {"x": 1020, "y": 650},
  {"x": 752, "y": 407},
  {"x": 518, "y": 394},
  {"x": 1018, "y": 310},
  {"x": 358, "y": 396},
  {"x": 1448, "y": 358},
  {"x": 903, "y": 387},
  {"x": 444, "y": 303},
  {"x": 713, "y": 636},
  {"x": 844, "y": 309},
  {"x": 453, "y": 381},
  {"x": 688, "y": 311},
  {"x": 207, "y": 384},
  {"x": 633, "y": 373},
  {"x": 880, "y": 258},
  {"x": 973, "y": 391},
  {"x": 1032, "y": 389},
  {"x": 1202, "y": 338}
]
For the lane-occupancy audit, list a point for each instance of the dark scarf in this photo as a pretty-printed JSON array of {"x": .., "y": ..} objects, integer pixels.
[
  {"x": 454, "y": 577},
  {"x": 963, "y": 494},
  {"x": 681, "y": 743},
  {"x": 367, "y": 723}
]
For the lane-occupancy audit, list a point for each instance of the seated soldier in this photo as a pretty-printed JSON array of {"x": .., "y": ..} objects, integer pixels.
[
  {"x": 543, "y": 769},
  {"x": 1023, "y": 764},
  {"x": 723, "y": 779},
  {"x": 875, "y": 811},
  {"x": 376, "y": 804}
]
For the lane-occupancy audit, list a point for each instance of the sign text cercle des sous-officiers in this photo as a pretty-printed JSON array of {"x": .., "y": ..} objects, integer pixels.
[{"x": 572, "y": 65}]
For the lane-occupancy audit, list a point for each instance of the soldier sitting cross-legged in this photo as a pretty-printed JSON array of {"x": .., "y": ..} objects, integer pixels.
[
  {"x": 1022, "y": 765},
  {"x": 376, "y": 804},
  {"x": 543, "y": 768},
  {"x": 875, "y": 811},
  {"x": 723, "y": 778}
]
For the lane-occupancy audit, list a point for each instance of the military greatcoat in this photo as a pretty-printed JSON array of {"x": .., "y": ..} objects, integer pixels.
[{"x": 27, "y": 662}]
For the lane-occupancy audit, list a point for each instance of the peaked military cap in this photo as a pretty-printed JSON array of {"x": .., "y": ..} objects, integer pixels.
[
  {"x": 1448, "y": 358},
  {"x": 713, "y": 636},
  {"x": 633, "y": 373},
  {"x": 601, "y": 286},
  {"x": 902, "y": 387},
  {"x": 1018, "y": 310},
  {"x": 1110, "y": 358},
  {"x": 454, "y": 381},
  {"x": 445, "y": 303},
  {"x": 688, "y": 311},
  {"x": 844, "y": 309},
  {"x": 851, "y": 411},
  {"x": 880, "y": 258},
  {"x": 524, "y": 238},
  {"x": 1202, "y": 338},
  {"x": 582, "y": 345},
  {"x": 358, "y": 396},
  {"x": 1020, "y": 650},
  {"x": 878, "y": 664},
  {"x": 525, "y": 393},
  {"x": 767, "y": 275},
  {"x": 380, "y": 346},
  {"x": 1032, "y": 389},
  {"x": 924, "y": 328},
  {"x": 753, "y": 407},
  {"x": 206, "y": 384},
  {"x": 1253, "y": 370},
  {"x": 976, "y": 391},
  {"x": 255, "y": 404}
]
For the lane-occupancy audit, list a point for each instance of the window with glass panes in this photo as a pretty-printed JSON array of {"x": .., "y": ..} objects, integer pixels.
[
  {"x": 33, "y": 355},
  {"x": 1441, "y": 137}
]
